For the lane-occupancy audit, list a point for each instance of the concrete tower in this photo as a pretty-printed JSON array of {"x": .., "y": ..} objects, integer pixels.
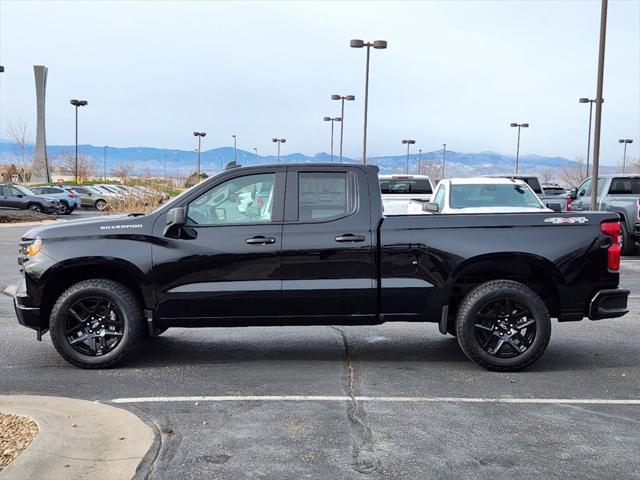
[{"x": 40, "y": 169}]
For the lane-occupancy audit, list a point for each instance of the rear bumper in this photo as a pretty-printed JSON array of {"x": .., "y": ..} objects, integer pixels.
[
  {"x": 609, "y": 303},
  {"x": 28, "y": 316}
]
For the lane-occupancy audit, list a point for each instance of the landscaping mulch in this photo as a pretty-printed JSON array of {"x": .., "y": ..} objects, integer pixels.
[
  {"x": 16, "y": 433},
  {"x": 19, "y": 216}
]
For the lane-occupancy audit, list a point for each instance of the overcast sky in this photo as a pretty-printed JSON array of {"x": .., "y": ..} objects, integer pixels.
[{"x": 454, "y": 72}]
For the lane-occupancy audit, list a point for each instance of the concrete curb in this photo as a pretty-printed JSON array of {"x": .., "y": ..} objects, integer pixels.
[
  {"x": 27, "y": 224},
  {"x": 78, "y": 439}
]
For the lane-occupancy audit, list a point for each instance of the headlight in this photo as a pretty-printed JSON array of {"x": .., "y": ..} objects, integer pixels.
[{"x": 34, "y": 248}]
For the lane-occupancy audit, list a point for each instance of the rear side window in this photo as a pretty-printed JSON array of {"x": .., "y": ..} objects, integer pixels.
[
  {"x": 625, "y": 186},
  {"x": 325, "y": 195}
]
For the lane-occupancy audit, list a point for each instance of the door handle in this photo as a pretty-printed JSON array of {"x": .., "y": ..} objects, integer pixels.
[
  {"x": 350, "y": 237},
  {"x": 260, "y": 240}
]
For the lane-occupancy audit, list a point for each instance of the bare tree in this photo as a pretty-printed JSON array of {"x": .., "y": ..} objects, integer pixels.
[
  {"x": 431, "y": 169},
  {"x": 20, "y": 135},
  {"x": 573, "y": 174},
  {"x": 66, "y": 161},
  {"x": 547, "y": 175},
  {"x": 632, "y": 165},
  {"x": 123, "y": 170}
]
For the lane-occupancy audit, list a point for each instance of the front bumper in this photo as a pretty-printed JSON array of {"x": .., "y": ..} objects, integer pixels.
[
  {"x": 609, "y": 303},
  {"x": 28, "y": 316}
]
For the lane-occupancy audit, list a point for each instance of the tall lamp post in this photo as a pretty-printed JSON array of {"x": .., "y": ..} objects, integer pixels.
[
  {"x": 625, "y": 141},
  {"x": 444, "y": 157},
  {"x": 408, "y": 143},
  {"x": 380, "y": 45},
  {"x": 199, "y": 135},
  {"x": 419, "y": 161},
  {"x": 332, "y": 120},
  {"x": 590, "y": 101},
  {"x": 519, "y": 126},
  {"x": 235, "y": 147},
  {"x": 342, "y": 98},
  {"x": 77, "y": 104},
  {"x": 255, "y": 149},
  {"x": 105, "y": 162},
  {"x": 279, "y": 141}
]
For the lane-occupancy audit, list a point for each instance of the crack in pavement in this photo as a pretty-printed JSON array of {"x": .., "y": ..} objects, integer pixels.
[{"x": 364, "y": 458}]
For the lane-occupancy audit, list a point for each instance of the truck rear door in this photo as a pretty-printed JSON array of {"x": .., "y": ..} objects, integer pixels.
[{"x": 328, "y": 259}]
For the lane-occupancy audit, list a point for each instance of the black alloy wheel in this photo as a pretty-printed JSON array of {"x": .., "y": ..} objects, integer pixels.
[{"x": 94, "y": 326}]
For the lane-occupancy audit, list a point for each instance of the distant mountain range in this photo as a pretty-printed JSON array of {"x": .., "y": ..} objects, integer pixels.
[{"x": 153, "y": 160}]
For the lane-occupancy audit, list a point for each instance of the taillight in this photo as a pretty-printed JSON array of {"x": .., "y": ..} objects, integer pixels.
[
  {"x": 569, "y": 209},
  {"x": 638, "y": 208},
  {"x": 612, "y": 229},
  {"x": 71, "y": 195}
]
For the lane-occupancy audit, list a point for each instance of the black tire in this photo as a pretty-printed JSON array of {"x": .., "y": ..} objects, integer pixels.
[
  {"x": 530, "y": 332},
  {"x": 64, "y": 208},
  {"x": 34, "y": 207},
  {"x": 100, "y": 205},
  {"x": 628, "y": 244},
  {"x": 127, "y": 316}
]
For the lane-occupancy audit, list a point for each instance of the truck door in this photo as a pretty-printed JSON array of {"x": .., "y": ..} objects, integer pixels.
[
  {"x": 328, "y": 259},
  {"x": 227, "y": 264}
]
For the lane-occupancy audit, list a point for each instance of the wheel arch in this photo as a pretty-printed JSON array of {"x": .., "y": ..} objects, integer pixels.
[
  {"x": 536, "y": 272},
  {"x": 72, "y": 272}
]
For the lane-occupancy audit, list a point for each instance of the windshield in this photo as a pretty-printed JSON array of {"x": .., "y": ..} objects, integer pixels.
[
  {"x": 492, "y": 195},
  {"x": 23, "y": 190},
  {"x": 405, "y": 186}
]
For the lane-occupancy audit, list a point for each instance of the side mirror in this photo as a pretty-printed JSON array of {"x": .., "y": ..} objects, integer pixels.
[
  {"x": 431, "y": 207},
  {"x": 556, "y": 207},
  {"x": 176, "y": 217},
  {"x": 19, "y": 195},
  {"x": 573, "y": 193}
]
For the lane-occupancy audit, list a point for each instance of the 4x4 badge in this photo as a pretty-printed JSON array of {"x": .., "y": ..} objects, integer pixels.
[{"x": 557, "y": 220}]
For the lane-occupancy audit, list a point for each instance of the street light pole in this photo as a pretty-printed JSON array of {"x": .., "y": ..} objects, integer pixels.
[
  {"x": 625, "y": 141},
  {"x": 77, "y": 103},
  {"x": 256, "y": 150},
  {"x": 408, "y": 143},
  {"x": 599, "y": 87},
  {"x": 419, "y": 161},
  {"x": 105, "y": 163},
  {"x": 199, "y": 135},
  {"x": 444, "y": 157},
  {"x": 590, "y": 102},
  {"x": 342, "y": 98},
  {"x": 332, "y": 120},
  {"x": 279, "y": 141},
  {"x": 235, "y": 148},
  {"x": 379, "y": 44},
  {"x": 519, "y": 126}
]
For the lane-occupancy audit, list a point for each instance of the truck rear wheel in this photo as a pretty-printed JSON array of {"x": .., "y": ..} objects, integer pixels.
[
  {"x": 628, "y": 244},
  {"x": 96, "y": 323},
  {"x": 503, "y": 326}
]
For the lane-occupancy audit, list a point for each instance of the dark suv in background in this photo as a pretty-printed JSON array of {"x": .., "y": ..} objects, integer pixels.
[{"x": 21, "y": 198}]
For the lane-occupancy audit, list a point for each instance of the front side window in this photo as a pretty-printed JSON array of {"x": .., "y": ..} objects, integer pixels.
[
  {"x": 247, "y": 199},
  {"x": 492, "y": 195},
  {"x": 439, "y": 198},
  {"x": 325, "y": 195}
]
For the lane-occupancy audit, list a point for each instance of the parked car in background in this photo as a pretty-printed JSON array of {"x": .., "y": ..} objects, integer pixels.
[
  {"x": 556, "y": 202},
  {"x": 554, "y": 189},
  {"x": 68, "y": 199},
  {"x": 398, "y": 190},
  {"x": 21, "y": 198},
  {"x": 616, "y": 193},
  {"x": 92, "y": 197},
  {"x": 481, "y": 195}
]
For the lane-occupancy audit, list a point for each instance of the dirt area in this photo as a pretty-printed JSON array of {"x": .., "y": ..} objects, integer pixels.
[
  {"x": 16, "y": 433},
  {"x": 19, "y": 216}
]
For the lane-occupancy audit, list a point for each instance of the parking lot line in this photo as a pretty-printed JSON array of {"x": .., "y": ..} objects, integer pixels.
[{"x": 343, "y": 398}]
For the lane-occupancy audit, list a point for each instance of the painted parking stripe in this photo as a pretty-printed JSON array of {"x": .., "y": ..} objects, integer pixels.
[{"x": 343, "y": 398}]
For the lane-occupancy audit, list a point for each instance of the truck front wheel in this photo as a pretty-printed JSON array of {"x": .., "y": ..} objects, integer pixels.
[
  {"x": 503, "y": 326},
  {"x": 96, "y": 323}
]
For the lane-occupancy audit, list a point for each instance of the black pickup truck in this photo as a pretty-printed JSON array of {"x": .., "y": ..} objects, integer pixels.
[{"x": 309, "y": 245}]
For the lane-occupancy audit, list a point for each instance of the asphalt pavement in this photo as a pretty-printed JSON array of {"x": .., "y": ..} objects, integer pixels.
[{"x": 397, "y": 400}]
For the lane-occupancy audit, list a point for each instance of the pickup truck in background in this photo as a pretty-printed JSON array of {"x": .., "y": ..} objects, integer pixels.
[
  {"x": 557, "y": 203},
  {"x": 619, "y": 193},
  {"x": 399, "y": 190},
  {"x": 309, "y": 245}
]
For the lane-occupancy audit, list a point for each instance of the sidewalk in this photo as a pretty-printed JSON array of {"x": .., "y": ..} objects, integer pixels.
[{"x": 78, "y": 439}]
